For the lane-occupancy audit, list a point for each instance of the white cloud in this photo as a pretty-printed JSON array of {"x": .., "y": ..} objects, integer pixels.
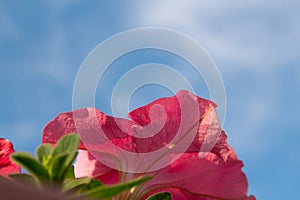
[{"x": 257, "y": 35}]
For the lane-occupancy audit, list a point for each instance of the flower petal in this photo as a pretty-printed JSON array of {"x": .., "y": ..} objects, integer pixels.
[
  {"x": 64, "y": 124},
  {"x": 120, "y": 131},
  {"x": 6, "y": 165},
  {"x": 177, "y": 108},
  {"x": 181, "y": 115},
  {"x": 88, "y": 165},
  {"x": 207, "y": 178}
]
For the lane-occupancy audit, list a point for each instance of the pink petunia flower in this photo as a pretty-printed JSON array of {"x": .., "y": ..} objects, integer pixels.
[
  {"x": 6, "y": 165},
  {"x": 177, "y": 140}
]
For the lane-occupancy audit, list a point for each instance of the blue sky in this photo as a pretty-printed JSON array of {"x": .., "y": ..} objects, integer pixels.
[{"x": 255, "y": 45}]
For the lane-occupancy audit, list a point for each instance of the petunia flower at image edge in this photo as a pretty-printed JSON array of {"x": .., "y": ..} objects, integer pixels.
[
  {"x": 216, "y": 176},
  {"x": 6, "y": 165}
]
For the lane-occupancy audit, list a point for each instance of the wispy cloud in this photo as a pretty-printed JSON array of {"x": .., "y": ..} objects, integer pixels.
[{"x": 257, "y": 35}]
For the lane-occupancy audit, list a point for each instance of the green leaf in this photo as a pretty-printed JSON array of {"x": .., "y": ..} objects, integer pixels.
[
  {"x": 67, "y": 165},
  {"x": 160, "y": 196},
  {"x": 43, "y": 154},
  {"x": 62, "y": 157},
  {"x": 60, "y": 166},
  {"x": 23, "y": 178},
  {"x": 56, "y": 166},
  {"x": 70, "y": 173},
  {"x": 70, "y": 184},
  {"x": 28, "y": 162},
  {"x": 91, "y": 185},
  {"x": 68, "y": 143},
  {"x": 110, "y": 191},
  {"x": 80, "y": 185}
]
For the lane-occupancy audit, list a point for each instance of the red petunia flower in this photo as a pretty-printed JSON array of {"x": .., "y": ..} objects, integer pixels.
[
  {"x": 6, "y": 165},
  {"x": 163, "y": 140}
]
